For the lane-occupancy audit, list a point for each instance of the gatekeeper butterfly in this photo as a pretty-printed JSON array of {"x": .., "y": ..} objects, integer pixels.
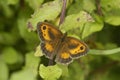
[{"x": 56, "y": 44}]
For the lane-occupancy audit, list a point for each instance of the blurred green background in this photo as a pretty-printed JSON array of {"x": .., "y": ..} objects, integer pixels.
[{"x": 97, "y": 22}]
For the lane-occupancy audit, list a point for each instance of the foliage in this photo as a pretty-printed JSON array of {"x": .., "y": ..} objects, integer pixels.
[{"x": 97, "y": 22}]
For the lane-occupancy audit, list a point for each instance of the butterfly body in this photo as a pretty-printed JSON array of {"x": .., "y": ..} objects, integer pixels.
[{"x": 55, "y": 43}]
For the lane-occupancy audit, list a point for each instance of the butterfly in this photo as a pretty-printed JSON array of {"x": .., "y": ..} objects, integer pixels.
[{"x": 56, "y": 44}]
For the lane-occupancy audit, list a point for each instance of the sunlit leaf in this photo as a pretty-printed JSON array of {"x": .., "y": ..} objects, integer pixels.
[
  {"x": 4, "y": 72},
  {"x": 111, "y": 11},
  {"x": 47, "y": 11},
  {"x": 32, "y": 62},
  {"x": 34, "y": 3},
  {"x": 26, "y": 74},
  {"x": 38, "y": 51},
  {"x": 50, "y": 72},
  {"x": 12, "y": 57},
  {"x": 82, "y": 23}
]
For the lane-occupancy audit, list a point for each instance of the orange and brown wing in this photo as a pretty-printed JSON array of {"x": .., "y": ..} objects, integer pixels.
[
  {"x": 63, "y": 55},
  {"x": 48, "y": 49},
  {"x": 76, "y": 48},
  {"x": 48, "y": 32},
  {"x": 49, "y": 36},
  {"x": 71, "y": 48}
]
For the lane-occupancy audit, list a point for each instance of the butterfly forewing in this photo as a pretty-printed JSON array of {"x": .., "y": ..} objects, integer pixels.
[
  {"x": 76, "y": 47},
  {"x": 48, "y": 49},
  {"x": 49, "y": 36},
  {"x": 47, "y": 32}
]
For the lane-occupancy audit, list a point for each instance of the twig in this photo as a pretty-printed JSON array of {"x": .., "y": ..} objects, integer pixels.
[
  {"x": 98, "y": 7},
  {"x": 62, "y": 16}
]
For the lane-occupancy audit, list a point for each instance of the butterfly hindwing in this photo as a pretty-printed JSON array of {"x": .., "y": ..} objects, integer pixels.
[
  {"x": 63, "y": 56},
  {"x": 48, "y": 49}
]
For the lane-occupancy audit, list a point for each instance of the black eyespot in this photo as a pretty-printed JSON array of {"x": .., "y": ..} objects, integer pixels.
[
  {"x": 81, "y": 48},
  {"x": 44, "y": 27}
]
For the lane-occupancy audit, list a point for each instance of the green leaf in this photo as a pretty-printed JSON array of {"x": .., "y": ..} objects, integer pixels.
[
  {"x": 76, "y": 21},
  {"x": 7, "y": 11},
  {"x": 76, "y": 69},
  {"x": 79, "y": 5},
  {"x": 48, "y": 11},
  {"x": 113, "y": 73},
  {"x": 89, "y": 5},
  {"x": 25, "y": 74},
  {"x": 75, "y": 7},
  {"x": 50, "y": 72},
  {"x": 29, "y": 72},
  {"x": 111, "y": 11},
  {"x": 12, "y": 2},
  {"x": 13, "y": 58},
  {"x": 30, "y": 37},
  {"x": 25, "y": 34},
  {"x": 10, "y": 55},
  {"x": 91, "y": 27},
  {"x": 4, "y": 72},
  {"x": 38, "y": 52},
  {"x": 32, "y": 62},
  {"x": 115, "y": 57},
  {"x": 7, "y": 38},
  {"x": 34, "y": 4},
  {"x": 65, "y": 69},
  {"x": 108, "y": 73},
  {"x": 82, "y": 23}
]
